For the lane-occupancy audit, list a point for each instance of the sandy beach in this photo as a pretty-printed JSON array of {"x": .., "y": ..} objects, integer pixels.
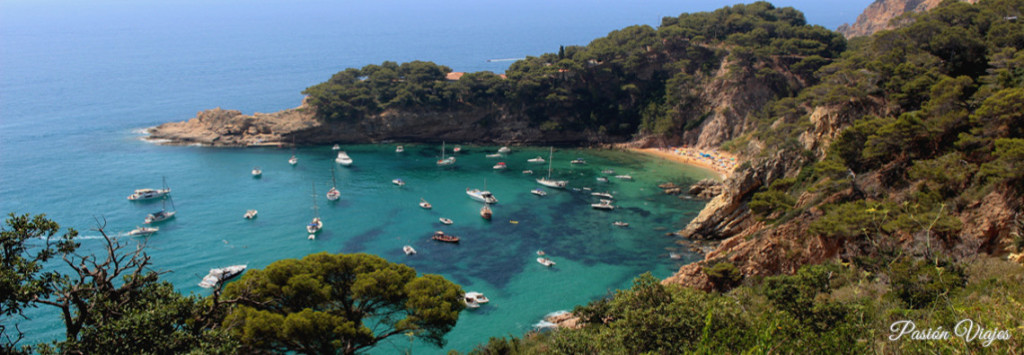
[{"x": 718, "y": 161}]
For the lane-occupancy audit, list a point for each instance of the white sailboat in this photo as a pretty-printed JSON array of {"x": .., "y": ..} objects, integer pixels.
[
  {"x": 558, "y": 184},
  {"x": 333, "y": 194},
  {"x": 445, "y": 161},
  {"x": 316, "y": 224},
  {"x": 163, "y": 214},
  {"x": 293, "y": 160}
]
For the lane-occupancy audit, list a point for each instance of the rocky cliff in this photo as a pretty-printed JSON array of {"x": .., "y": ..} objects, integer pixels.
[{"x": 881, "y": 13}]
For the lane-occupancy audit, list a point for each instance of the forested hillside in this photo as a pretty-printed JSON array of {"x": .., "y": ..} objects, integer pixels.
[{"x": 901, "y": 169}]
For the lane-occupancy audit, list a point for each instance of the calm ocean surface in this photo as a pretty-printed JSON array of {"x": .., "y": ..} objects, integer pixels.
[{"x": 78, "y": 81}]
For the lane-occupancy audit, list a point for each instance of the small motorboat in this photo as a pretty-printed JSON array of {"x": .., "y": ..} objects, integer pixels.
[
  {"x": 608, "y": 171},
  {"x": 219, "y": 275},
  {"x": 441, "y": 237},
  {"x": 602, "y": 194},
  {"x": 504, "y": 150},
  {"x": 624, "y": 177},
  {"x": 343, "y": 159},
  {"x": 256, "y": 172},
  {"x": 398, "y": 182},
  {"x": 540, "y": 253},
  {"x": 495, "y": 155},
  {"x": 528, "y": 172},
  {"x": 602, "y": 179},
  {"x": 478, "y": 297},
  {"x": 447, "y": 221},
  {"x": 675, "y": 256},
  {"x": 408, "y": 250},
  {"x": 604, "y": 205},
  {"x": 336, "y": 147},
  {"x": 457, "y": 149},
  {"x": 620, "y": 224},
  {"x": 537, "y": 160},
  {"x": 578, "y": 161},
  {"x": 250, "y": 214},
  {"x": 500, "y": 166},
  {"x": 293, "y": 160},
  {"x": 143, "y": 231},
  {"x": 539, "y": 192},
  {"x": 425, "y": 204},
  {"x": 470, "y": 303},
  {"x": 399, "y": 149},
  {"x": 545, "y": 261},
  {"x": 485, "y": 212}
]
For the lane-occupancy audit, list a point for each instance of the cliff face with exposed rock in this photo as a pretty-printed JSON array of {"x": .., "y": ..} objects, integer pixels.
[{"x": 880, "y": 14}]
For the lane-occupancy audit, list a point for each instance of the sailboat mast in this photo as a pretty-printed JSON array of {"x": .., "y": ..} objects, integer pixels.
[
  {"x": 442, "y": 150},
  {"x": 316, "y": 211},
  {"x": 550, "y": 154}
]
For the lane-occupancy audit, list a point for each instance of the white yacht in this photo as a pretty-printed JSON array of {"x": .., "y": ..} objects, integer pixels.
[
  {"x": 256, "y": 172},
  {"x": 578, "y": 161},
  {"x": 220, "y": 275},
  {"x": 143, "y": 231},
  {"x": 603, "y": 205},
  {"x": 545, "y": 261},
  {"x": 620, "y": 224},
  {"x": 504, "y": 150},
  {"x": 336, "y": 147},
  {"x": 537, "y": 160},
  {"x": 446, "y": 221},
  {"x": 538, "y": 192},
  {"x": 408, "y": 250},
  {"x": 398, "y": 182},
  {"x": 399, "y": 149},
  {"x": 478, "y": 297},
  {"x": 160, "y": 216},
  {"x": 149, "y": 194},
  {"x": 482, "y": 196},
  {"x": 293, "y": 160},
  {"x": 250, "y": 214},
  {"x": 602, "y": 194},
  {"x": 558, "y": 184},
  {"x": 343, "y": 159},
  {"x": 624, "y": 177},
  {"x": 425, "y": 204},
  {"x": 495, "y": 155},
  {"x": 500, "y": 166}
]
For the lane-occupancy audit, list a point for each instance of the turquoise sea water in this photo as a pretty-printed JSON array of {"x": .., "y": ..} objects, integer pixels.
[{"x": 78, "y": 80}]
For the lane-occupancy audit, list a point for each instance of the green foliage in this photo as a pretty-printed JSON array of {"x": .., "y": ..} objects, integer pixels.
[
  {"x": 919, "y": 283},
  {"x": 341, "y": 303},
  {"x": 775, "y": 200},
  {"x": 26, "y": 244},
  {"x": 724, "y": 275},
  {"x": 1008, "y": 164}
]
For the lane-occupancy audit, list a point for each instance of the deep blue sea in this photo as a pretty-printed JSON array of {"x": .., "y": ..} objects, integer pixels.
[{"x": 79, "y": 80}]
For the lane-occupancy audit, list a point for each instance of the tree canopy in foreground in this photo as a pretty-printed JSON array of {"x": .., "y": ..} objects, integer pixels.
[{"x": 341, "y": 303}]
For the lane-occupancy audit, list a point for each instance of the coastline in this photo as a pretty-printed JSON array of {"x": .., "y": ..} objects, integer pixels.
[{"x": 717, "y": 161}]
